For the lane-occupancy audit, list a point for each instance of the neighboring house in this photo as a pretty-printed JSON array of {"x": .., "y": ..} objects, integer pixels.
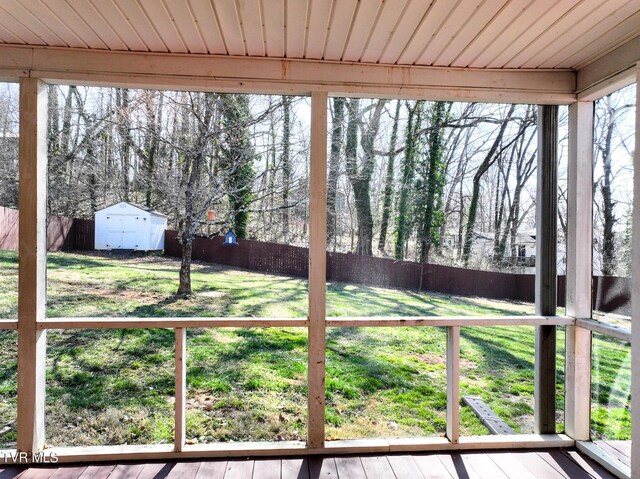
[
  {"x": 129, "y": 226},
  {"x": 525, "y": 248}
]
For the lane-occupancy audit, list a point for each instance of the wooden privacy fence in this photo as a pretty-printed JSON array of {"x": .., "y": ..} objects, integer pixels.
[
  {"x": 610, "y": 294},
  {"x": 63, "y": 234}
]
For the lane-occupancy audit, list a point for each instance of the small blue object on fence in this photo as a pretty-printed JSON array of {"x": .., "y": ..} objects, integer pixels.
[{"x": 230, "y": 239}]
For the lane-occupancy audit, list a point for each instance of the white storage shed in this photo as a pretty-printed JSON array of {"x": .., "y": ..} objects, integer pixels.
[{"x": 129, "y": 226}]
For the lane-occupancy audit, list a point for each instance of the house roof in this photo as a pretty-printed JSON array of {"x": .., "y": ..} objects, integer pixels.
[
  {"x": 583, "y": 42},
  {"x": 140, "y": 207}
]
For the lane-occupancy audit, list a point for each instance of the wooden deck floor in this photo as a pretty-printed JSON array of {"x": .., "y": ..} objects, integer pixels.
[
  {"x": 620, "y": 450},
  {"x": 547, "y": 464}
]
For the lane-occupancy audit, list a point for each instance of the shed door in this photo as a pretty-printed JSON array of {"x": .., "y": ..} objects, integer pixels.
[
  {"x": 130, "y": 225},
  {"x": 122, "y": 232}
]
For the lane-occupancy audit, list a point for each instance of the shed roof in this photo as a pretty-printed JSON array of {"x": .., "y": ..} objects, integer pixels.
[{"x": 135, "y": 205}]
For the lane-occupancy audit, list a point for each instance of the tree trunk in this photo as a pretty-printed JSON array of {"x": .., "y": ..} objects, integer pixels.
[
  {"x": 184, "y": 288},
  {"x": 286, "y": 164},
  {"x": 489, "y": 159},
  {"x": 608, "y": 239},
  {"x": 389, "y": 182},
  {"x": 122, "y": 103},
  {"x": 403, "y": 220},
  {"x": 237, "y": 157},
  {"x": 154, "y": 123},
  {"x": 360, "y": 175},
  {"x": 433, "y": 183},
  {"x": 334, "y": 167},
  {"x": 193, "y": 164}
]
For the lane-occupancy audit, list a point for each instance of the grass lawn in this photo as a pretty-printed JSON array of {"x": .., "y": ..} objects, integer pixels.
[{"x": 116, "y": 387}]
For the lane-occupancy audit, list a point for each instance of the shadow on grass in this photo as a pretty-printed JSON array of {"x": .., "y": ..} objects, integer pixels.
[
  {"x": 496, "y": 356},
  {"x": 78, "y": 261},
  {"x": 123, "y": 369}
]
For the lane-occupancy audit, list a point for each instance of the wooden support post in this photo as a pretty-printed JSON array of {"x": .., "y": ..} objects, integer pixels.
[
  {"x": 317, "y": 270},
  {"x": 179, "y": 437},
  {"x": 453, "y": 384},
  {"x": 579, "y": 271},
  {"x": 546, "y": 238},
  {"x": 635, "y": 296},
  {"x": 32, "y": 286}
]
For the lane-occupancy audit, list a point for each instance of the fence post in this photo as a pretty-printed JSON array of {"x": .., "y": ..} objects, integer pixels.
[{"x": 32, "y": 251}]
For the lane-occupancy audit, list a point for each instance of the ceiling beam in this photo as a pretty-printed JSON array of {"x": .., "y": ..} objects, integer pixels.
[
  {"x": 610, "y": 72},
  {"x": 284, "y": 76}
]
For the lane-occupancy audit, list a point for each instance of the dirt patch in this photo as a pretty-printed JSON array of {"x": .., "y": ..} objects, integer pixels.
[
  {"x": 211, "y": 294},
  {"x": 430, "y": 358}
]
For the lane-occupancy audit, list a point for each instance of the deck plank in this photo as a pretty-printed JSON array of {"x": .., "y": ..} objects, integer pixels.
[
  {"x": 547, "y": 463},
  {"x": 212, "y": 470},
  {"x": 456, "y": 466},
  {"x": 509, "y": 464},
  {"x": 322, "y": 468},
  {"x": 431, "y": 467},
  {"x": 377, "y": 466},
  {"x": 156, "y": 470},
  {"x": 623, "y": 447},
  {"x": 38, "y": 473},
  {"x": 405, "y": 466},
  {"x": 73, "y": 472},
  {"x": 267, "y": 469},
  {"x": 295, "y": 468},
  {"x": 239, "y": 469},
  {"x": 564, "y": 464},
  {"x": 538, "y": 466},
  {"x": 10, "y": 472},
  {"x": 350, "y": 467},
  {"x": 183, "y": 470},
  {"x": 97, "y": 472},
  {"x": 126, "y": 471},
  {"x": 483, "y": 466},
  {"x": 614, "y": 453},
  {"x": 593, "y": 468}
]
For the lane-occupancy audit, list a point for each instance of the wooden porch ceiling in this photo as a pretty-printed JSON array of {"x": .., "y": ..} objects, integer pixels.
[
  {"x": 564, "y": 34},
  {"x": 535, "y": 51}
]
